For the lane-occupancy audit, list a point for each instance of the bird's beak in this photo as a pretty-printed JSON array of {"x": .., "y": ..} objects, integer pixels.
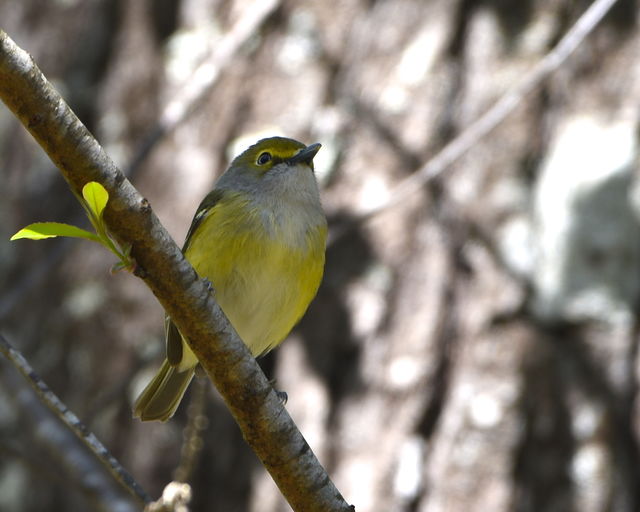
[{"x": 305, "y": 155}]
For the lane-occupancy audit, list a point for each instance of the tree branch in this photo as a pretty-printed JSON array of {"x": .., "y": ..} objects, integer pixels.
[
  {"x": 203, "y": 79},
  {"x": 91, "y": 480},
  {"x": 182, "y": 105},
  {"x": 265, "y": 424},
  {"x": 490, "y": 119}
]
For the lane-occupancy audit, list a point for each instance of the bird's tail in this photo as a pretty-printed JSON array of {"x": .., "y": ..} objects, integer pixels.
[{"x": 163, "y": 394}]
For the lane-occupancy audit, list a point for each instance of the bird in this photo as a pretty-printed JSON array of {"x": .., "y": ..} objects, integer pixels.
[{"x": 259, "y": 237}]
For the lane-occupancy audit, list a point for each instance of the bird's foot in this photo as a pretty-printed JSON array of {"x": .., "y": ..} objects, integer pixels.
[
  {"x": 209, "y": 285},
  {"x": 282, "y": 395}
]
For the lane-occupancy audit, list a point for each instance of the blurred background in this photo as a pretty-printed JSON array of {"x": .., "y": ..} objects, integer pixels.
[{"x": 474, "y": 347}]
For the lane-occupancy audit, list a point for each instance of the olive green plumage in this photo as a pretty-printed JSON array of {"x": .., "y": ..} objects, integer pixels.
[{"x": 259, "y": 237}]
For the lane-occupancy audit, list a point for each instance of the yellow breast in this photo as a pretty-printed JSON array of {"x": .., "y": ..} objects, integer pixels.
[{"x": 265, "y": 267}]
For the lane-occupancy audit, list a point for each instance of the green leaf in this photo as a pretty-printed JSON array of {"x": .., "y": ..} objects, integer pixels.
[
  {"x": 41, "y": 230},
  {"x": 96, "y": 197}
]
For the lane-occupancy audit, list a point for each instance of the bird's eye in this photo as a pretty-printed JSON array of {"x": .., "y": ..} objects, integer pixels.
[{"x": 264, "y": 158}]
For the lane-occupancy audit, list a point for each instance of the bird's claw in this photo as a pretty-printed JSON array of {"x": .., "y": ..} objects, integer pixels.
[
  {"x": 282, "y": 395},
  {"x": 209, "y": 285}
]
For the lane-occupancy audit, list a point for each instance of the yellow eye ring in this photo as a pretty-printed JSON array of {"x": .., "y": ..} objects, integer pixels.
[{"x": 264, "y": 158}]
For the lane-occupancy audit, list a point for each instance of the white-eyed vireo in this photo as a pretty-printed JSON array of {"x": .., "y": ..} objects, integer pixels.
[{"x": 259, "y": 237}]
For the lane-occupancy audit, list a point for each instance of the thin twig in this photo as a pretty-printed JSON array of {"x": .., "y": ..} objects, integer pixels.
[
  {"x": 176, "y": 497},
  {"x": 206, "y": 75},
  {"x": 492, "y": 118},
  {"x": 74, "y": 424},
  {"x": 197, "y": 421}
]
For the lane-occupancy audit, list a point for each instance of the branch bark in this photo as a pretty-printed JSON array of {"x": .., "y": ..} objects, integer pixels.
[
  {"x": 266, "y": 425},
  {"x": 64, "y": 446}
]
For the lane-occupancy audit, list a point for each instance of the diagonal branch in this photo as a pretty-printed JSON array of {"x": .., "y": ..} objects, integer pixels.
[
  {"x": 204, "y": 78},
  {"x": 266, "y": 425},
  {"x": 72, "y": 422},
  {"x": 490, "y": 119},
  {"x": 182, "y": 105}
]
